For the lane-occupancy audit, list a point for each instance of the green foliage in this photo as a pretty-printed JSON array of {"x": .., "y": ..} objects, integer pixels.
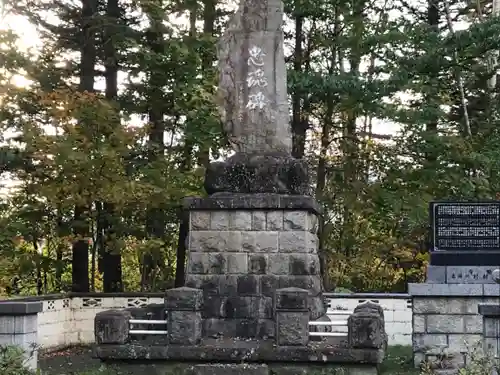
[
  {"x": 356, "y": 69},
  {"x": 13, "y": 361}
]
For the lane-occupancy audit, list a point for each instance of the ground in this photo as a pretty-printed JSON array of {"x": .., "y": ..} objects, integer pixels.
[{"x": 78, "y": 361}]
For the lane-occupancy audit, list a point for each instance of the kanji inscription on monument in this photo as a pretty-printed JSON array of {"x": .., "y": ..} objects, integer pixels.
[
  {"x": 465, "y": 226},
  {"x": 252, "y": 83}
]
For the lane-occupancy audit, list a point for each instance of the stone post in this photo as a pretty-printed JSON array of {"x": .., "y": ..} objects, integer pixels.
[
  {"x": 112, "y": 327},
  {"x": 19, "y": 327},
  {"x": 184, "y": 315},
  {"x": 292, "y": 316},
  {"x": 366, "y": 328}
]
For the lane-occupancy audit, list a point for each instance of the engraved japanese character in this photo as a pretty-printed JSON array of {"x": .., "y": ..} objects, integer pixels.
[
  {"x": 256, "y": 78},
  {"x": 256, "y": 101},
  {"x": 256, "y": 56}
]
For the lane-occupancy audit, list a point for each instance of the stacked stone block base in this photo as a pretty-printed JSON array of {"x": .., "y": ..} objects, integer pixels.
[
  {"x": 446, "y": 319},
  {"x": 242, "y": 248}
]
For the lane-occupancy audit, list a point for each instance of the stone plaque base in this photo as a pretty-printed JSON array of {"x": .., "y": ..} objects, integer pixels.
[
  {"x": 460, "y": 274},
  {"x": 465, "y": 258},
  {"x": 446, "y": 317}
]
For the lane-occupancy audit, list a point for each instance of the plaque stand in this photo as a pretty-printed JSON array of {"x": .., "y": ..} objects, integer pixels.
[{"x": 462, "y": 276}]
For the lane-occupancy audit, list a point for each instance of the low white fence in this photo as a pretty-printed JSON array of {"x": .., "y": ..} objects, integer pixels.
[{"x": 69, "y": 320}]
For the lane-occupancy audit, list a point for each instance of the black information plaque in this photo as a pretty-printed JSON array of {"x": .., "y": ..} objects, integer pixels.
[{"x": 465, "y": 226}]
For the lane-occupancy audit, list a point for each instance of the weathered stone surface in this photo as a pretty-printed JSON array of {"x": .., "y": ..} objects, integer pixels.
[
  {"x": 273, "y": 203},
  {"x": 429, "y": 343},
  {"x": 184, "y": 327},
  {"x": 445, "y": 324},
  {"x": 292, "y": 327},
  {"x": 258, "y": 173},
  {"x": 252, "y": 84},
  {"x": 183, "y": 298},
  {"x": 366, "y": 327},
  {"x": 294, "y": 299},
  {"x": 162, "y": 368},
  {"x": 228, "y": 369},
  {"x": 236, "y": 351},
  {"x": 112, "y": 327},
  {"x": 199, "y": 220}
]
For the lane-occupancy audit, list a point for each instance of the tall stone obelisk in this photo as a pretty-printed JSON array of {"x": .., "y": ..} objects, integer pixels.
[
  {"x": 256, "y": 233},
  {"x": 254, "y": 106}
]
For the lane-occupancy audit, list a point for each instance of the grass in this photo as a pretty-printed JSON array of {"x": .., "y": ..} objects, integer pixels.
[{"x": 399, "y": 361}]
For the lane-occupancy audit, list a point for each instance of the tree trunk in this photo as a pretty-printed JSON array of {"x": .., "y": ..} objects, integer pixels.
[
  {"x": 80, "y": 259},
  {"x": 112, "y": 277},
  {"x": 299, "y": 127},
  {"x": 155, "y": 216}
]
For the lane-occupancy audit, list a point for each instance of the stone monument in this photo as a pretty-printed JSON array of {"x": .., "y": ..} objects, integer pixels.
[
  {"x": 462, "y": 276},
  {"x": 253, "y": 282}
]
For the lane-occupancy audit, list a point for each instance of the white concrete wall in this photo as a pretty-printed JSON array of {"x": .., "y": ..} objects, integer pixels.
[{"x": 70, "y": 320}]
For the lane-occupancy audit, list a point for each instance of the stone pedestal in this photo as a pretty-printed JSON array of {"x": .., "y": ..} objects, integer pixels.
[
  {"x": 184, "y": 315},
  {"x": 19, "y": 327},
  {"x": 112, "y": 326},
  {"x": 242, "y": 248}
]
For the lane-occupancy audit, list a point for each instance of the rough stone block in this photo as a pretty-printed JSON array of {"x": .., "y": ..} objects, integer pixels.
[
  {"x": 460, "y": 343},
  {"x": 445, "y": 305},
  {"x": 446, "y": 290},
  {"x": 268, "y": 285},
  {"x": 295, "y": 220},
  {"x": 274, "y": 220},
  {"x": 199, "y": 220},
  {"x": 112, "y": 327},
  {"x": 237, "y": 263},
  {"x": 213, "y": 306},
  {"x": 419, "y": 323},
  {"x": 445, "y": 324},
  {"x": 312, "y": 223},
  {"x": 294, "y": 242},
  {"x": 240, "y": 220},
  {"x": 248, "y": 285},
  {"x": 292, "y": 328},
  {"x": 184, "y": 298},
  {"x": 258, "y": 264},
  {"x": 429, "y": 343},
  {"x": 215, "y": 241},
  {"x": 366, "y": 327},
  {"x": 184, "y": 327},
  {"x": 207, "y": 263},
  {"x": 259, "y": 220},
  {"x": 304, "y": 264},
  {"x": 228, "y": 369},
  {"x": 473, "y": 323},
  {"x": 291, "y": 299},
  {"x": 312, "y": 283},
  {"x": 219, "y": 220},
  {"x": 259, "y": 241},
  {"x": 279, "y": 264}
]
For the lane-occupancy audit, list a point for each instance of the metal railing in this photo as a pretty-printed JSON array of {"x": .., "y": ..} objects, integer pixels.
[
  {"x": 147, "y": 331},
  {"x": 333, "y": 323}
]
